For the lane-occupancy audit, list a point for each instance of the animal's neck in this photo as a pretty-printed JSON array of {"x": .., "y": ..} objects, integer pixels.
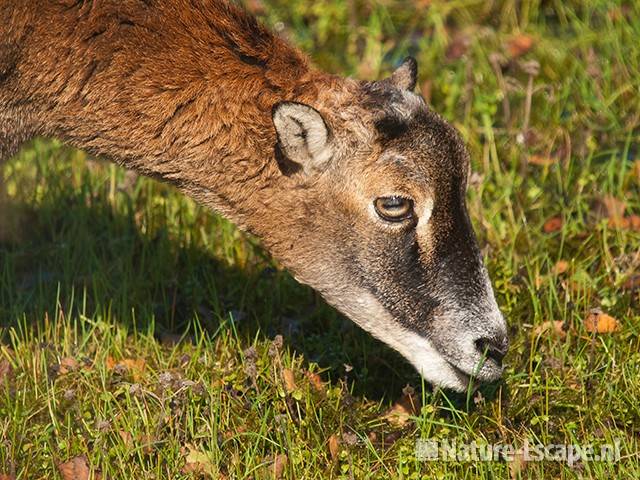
[{"x": 179, "y": 93}]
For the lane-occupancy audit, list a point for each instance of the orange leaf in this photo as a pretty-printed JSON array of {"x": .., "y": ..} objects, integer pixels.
[
  {"x": 401, "y": 411},
  {"x": 519, "y": 45},
  {"x": 68, "y": 364},
  {"x": 541, "y": 161},
  {"x": 315, "y": 380},
  {"x": 599, "y": 322},
  {"x": 334, "y": 446},
  {"x": 555, "y": 327},
  {"x": 134, "y": 365},
  {"x": 76, "y": 469},
  {"x": 561, "y": 267},
  {"x": 634, "y": 222},
  {"x": 632, "y": 283},
  {"x": 289, "y": 380},
  {"x": 278, "y": 465},
  {"x": 554, "y": 224},
  {"x": 126, "y": 437},
  {"x": 615, "y": 207}
]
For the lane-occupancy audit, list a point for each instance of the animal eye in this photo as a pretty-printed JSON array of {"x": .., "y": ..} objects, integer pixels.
[{"x": 394, "y": 209}]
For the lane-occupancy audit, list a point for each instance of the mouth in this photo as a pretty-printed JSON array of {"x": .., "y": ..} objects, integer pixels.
[
  {"x": 459, "y": 375},
  {"x": 484, "y": 373}
]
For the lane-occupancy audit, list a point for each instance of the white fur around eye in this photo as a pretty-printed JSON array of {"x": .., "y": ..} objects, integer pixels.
[{"x": 425, "y": 215}]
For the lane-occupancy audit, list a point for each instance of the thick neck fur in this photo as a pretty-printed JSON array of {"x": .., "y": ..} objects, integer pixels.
[{"x": 181, "y": 90}]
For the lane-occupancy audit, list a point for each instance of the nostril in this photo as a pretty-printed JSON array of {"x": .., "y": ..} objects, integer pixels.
[{"x": 494, "y": 348}]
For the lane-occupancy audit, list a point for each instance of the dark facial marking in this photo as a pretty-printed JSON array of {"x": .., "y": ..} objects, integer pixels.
[{"x": 390, "y": 127}]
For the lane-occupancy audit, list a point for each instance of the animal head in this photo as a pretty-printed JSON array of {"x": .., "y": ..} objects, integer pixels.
[{"x": 374, "y": 217}]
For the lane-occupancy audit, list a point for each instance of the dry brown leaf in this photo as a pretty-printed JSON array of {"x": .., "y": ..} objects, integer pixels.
[
  {"x": 599, "y": 322},
  {"x": 401, "y": 411},
  {"x": 614, "y": 207},
  {"x": 68, "y": 364},
  {"x": 316, "y": 381},
  {"x": 541, "y": 160},
  {"x": 561, "y": 267},
  {"x": 631, "y": 283},
  {"x": 279, "y": 464},
  {"x": 555, "y": 327},
  {"x": 334, "y": 446},
  {"x": 518, "y": 45},
  {"x": 126, "y": 437},
  {"x": 76, "y": 469},
  {"x": 147, "y": 444},
  {"x": 289, "y": 380},
  {"x": 631, "y": 222},
  {"x": 134, "y": 365},
  {"x": 7, "y": 476},
  {"x": 554, "y": 224},
  {"x": 634, "y": 222}
]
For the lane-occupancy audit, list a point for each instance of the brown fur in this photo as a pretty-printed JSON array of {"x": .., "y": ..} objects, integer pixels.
[{"x": 184, "y": 91}]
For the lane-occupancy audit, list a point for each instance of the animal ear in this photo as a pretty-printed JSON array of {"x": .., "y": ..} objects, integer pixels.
[
  {"x": 303, "y": 136},
  {"x": 406, "y": 75}
]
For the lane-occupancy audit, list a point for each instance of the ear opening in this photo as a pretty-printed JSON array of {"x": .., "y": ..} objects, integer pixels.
[{"x": 304, "y": 139}]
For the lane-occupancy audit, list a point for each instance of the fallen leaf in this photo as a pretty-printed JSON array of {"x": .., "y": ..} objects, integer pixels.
[
  {"x": 518, "y": 45},
  {"x": 316, "y": 381},
  {"x": 68, "y": 364},
  {"x": 126, "y": 437},
  {"x": 407, "y": 406},
  {"x": 76, "y": 469},
  {"x": 198, "y": 462},
  {"x": 599, "y": 322},
  {"x": 541, "y": 160},
  {"x": 147, "y": 444},
  {"x": 278, "y": 465},
  {"x": 289, "y": 380},
  {"x": 134, "y": 365},
  {"x": 614, "y": 207},
  {"x": 631, "y": 283},
  {"x": 554, "y": 224},
  {"x": 6, "y": 476},
  {"x": 555, "y": 327},
  {"x": 561, "y": 267},
  {"x": 334, "y": 446}
]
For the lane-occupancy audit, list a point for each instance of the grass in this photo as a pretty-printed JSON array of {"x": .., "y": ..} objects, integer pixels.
[{"x": 141, "y": 331}]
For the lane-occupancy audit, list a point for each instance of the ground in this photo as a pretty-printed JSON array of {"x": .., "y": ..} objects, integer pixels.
[{"x": 142, "y": 336}]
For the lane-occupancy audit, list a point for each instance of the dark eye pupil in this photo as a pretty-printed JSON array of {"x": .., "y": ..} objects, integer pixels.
[
  {"x": 394, "y": 202},
  {"x": 394, "y": 209}
]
